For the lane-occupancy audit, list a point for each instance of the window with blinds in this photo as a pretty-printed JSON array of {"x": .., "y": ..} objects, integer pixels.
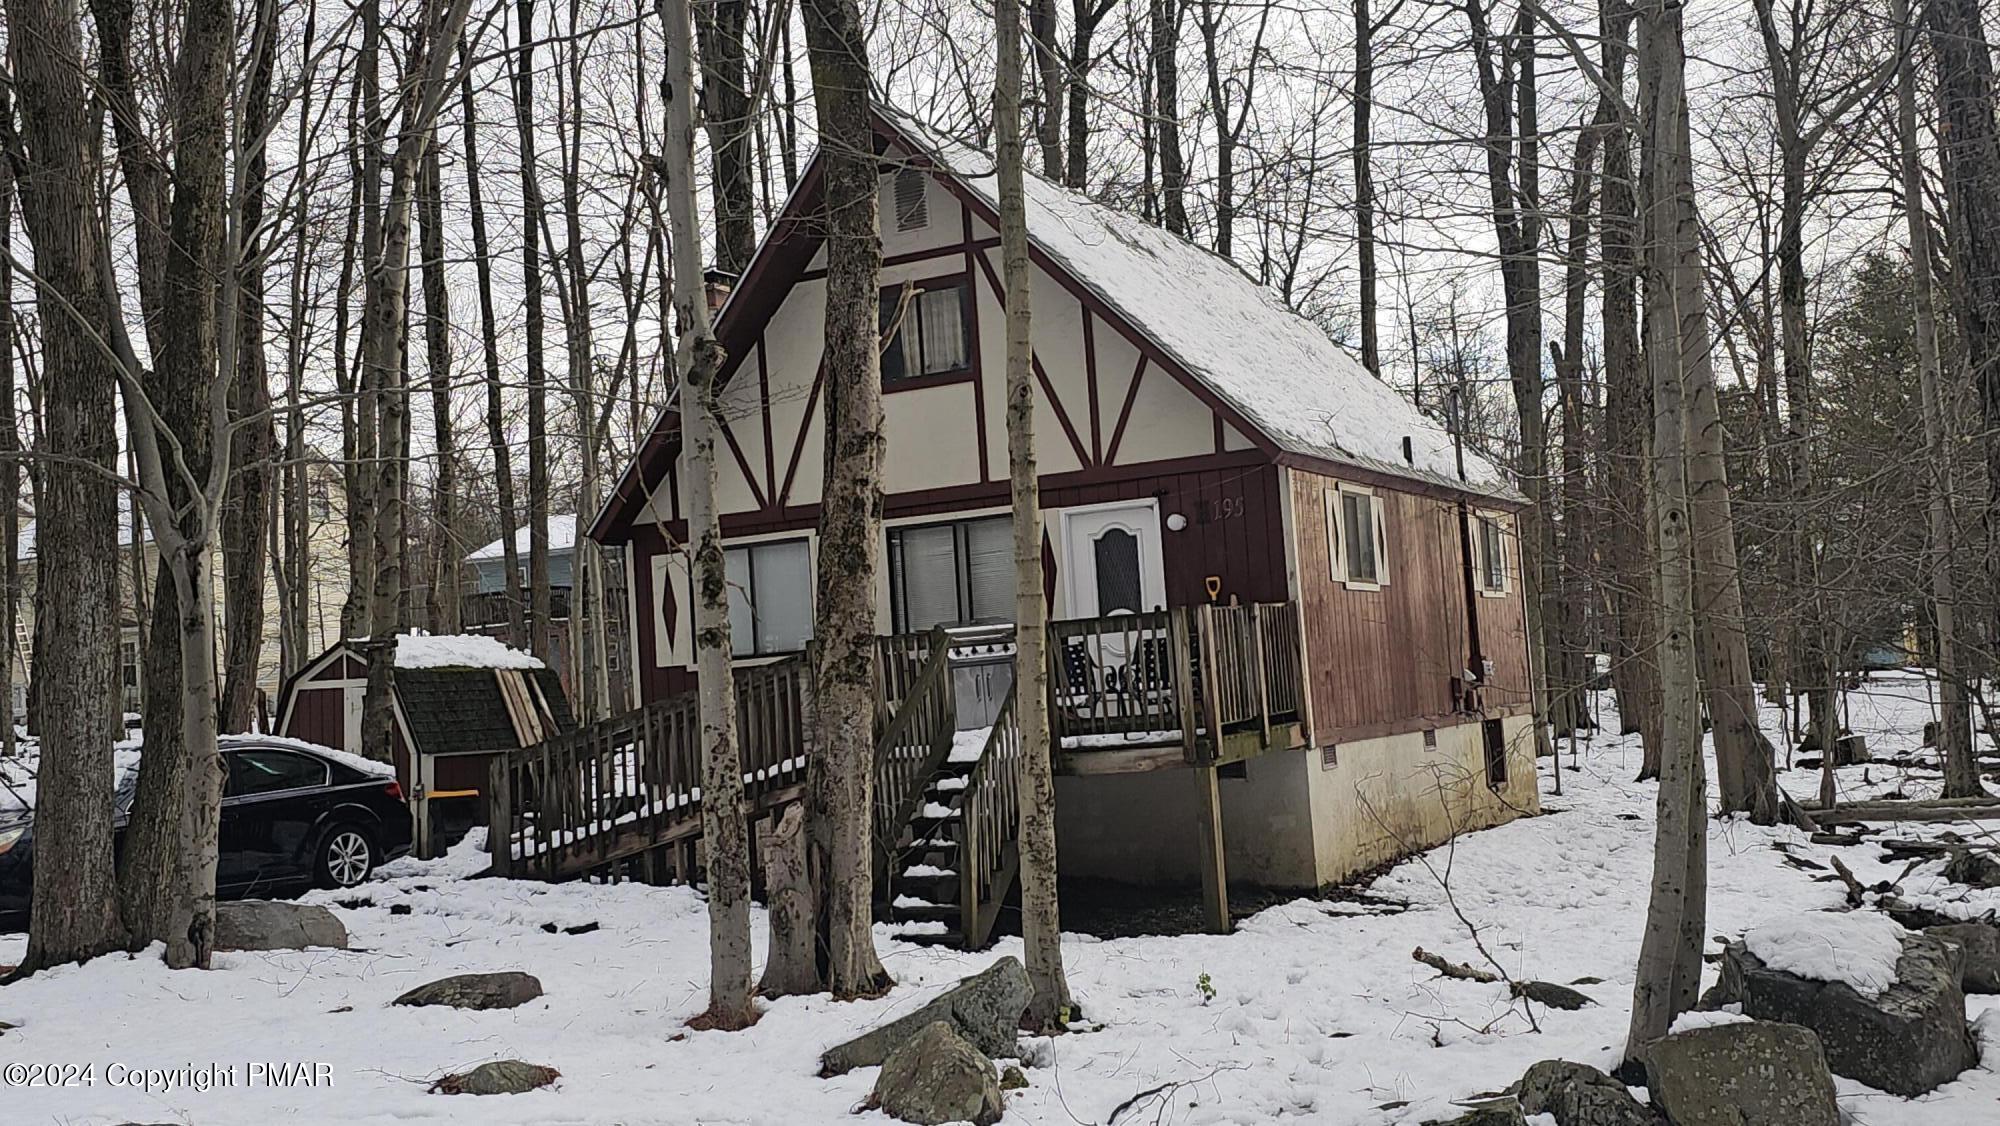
[
  {"x": 927, "y": 334},
  {"x": 1492, "y": 556},
  {"x": 951, "y": 574},
  {"x": 770, "y": 597}
]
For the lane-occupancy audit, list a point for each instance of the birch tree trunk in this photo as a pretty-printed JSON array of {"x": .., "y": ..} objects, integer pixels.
[
  {"x": 1955, "y": 717},
  {"x": 73, "y": 903},
  {"x": 1669, "y": 970},
  {"x": 850, "y": 522},
  {"x": 724, "y": 838},
  {"x": 1041, "y": 924}
]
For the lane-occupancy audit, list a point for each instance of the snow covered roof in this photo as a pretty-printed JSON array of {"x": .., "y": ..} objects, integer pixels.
[
  {"x": 562, "y": 537},
  {"x": 1277, "y": 369},
  {"x": 459, "y": 651}
]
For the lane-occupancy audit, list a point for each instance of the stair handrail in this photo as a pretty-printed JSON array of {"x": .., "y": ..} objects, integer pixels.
[
  {"x": 928, "y": 717},
  {"x": 989, "y": 825}
]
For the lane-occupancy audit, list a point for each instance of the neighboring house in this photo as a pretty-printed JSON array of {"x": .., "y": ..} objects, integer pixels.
[
  {"x": 1199, "y": 445},
  {"x": 459, "y": 700},
  {"x": 484, "y": 607},
  {"x": 326, "y": 588}
]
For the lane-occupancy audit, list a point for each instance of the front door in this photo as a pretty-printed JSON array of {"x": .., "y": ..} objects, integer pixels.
[{"x": 1114, "y": 560}]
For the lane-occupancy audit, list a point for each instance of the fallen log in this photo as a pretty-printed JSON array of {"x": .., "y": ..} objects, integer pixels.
[
  {"x": 1959, "y": 809},
  {"x": 1453, "y": 969}
]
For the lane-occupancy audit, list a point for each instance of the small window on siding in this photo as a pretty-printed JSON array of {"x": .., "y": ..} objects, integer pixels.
[
  {"x": 1356, "y": 545},
  {"x": 913, "y": 212}
]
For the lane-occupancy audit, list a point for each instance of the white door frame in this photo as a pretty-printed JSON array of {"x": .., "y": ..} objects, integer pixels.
[{"x": 1152, "y": 554}]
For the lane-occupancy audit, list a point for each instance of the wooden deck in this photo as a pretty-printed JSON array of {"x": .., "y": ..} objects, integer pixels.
[{"x": 1187, "y": 688}]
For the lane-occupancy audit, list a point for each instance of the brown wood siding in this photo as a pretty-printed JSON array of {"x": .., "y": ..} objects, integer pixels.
[
  {"x": 319, "y": 715},
  {"x": 1382, "y": 660},
  {"x": 1235, "y": 532}
]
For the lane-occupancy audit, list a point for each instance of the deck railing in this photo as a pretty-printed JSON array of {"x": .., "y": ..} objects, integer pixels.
[
  {"x": 914, "y": 743},
  {"x": 1173, "y": 675},
  {"x": 989, "y": 828},
  {"x": 593, "y": 795}
]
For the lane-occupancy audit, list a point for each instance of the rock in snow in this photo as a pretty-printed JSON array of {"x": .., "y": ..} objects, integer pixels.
[
  {"x": 1906, "y": 1039},
  {"x": 985, "y": 1008},
  {"x": 260, "y": 924},
  {"x": 1980, "y": 943},
  {"x": 508, "y": 990},
  {"x": 1553, "y": 995},
  {"x": 1749, "y": 1073},
  {"x": 1576, "y": 1094},
  {"x": 499, "y": 1077},
  {"x": 936, "y": 1077}
]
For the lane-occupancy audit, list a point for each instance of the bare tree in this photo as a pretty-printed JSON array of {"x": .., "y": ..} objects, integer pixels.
[
  {"x": 441, "y": 573},
  {"x": 248, "y": 505},
  {"x": 1041, "y": 925},
  {"x": 850, "y": 519},
  {"x": 726, "y": 115},
  {"x": 1164, "y": 117},
  {"x": 1086, "y": 16},
  {"x": 1971, "y": 162},
  {"x": 725, "y": 841},
  {"x": 489, "y": 341},
  {"x": 55, "y": 170},
  {"x": 1511, "y": 144},
  {"x": 534, "y": 321}
]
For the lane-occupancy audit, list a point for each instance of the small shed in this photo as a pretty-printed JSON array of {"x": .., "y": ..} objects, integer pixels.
[{"x": 460, "y": 699}]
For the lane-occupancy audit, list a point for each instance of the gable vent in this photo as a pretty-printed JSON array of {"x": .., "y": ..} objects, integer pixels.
[{"x": 913, "y": 211}]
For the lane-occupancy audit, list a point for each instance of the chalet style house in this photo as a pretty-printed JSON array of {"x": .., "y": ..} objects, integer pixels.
[{"x": 1287, "y": 636}]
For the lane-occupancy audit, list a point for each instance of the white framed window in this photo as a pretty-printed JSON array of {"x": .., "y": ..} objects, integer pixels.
[
  {"x": 1355, "y": 543},
  {"x": 770, "y": 597},
  {"x": 1489, "y": 555}
]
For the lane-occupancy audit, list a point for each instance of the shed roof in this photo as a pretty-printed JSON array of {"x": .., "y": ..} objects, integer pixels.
[{"x": 461, "y": 710}]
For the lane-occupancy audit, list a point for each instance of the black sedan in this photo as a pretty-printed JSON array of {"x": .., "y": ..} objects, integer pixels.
[{"x": 294, "y": 816}]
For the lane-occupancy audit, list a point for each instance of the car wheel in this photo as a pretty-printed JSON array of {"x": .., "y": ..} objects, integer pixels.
[{"x": 346, "y": 857}]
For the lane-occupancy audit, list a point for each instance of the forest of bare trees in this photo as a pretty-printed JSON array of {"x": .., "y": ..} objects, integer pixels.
[{"x": 1718, "y": 283}]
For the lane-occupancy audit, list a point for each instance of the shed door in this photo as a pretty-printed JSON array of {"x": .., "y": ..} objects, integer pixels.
[
  {"x": 350, "y": 732},
  {"x": 1114, "y": 561}
]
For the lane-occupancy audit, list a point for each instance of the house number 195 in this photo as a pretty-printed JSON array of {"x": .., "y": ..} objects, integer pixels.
[{"x": 1222, "y": 508}]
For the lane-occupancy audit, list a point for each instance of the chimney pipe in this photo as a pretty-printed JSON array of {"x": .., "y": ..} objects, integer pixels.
[{"x": 717, "y": 285}]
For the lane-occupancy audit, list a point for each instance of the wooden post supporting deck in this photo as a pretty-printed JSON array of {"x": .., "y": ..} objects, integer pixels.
[{"x": 1214, "y": 870}]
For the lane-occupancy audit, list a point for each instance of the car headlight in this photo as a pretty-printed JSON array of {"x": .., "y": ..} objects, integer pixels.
[{"x": 9, "y": 836}]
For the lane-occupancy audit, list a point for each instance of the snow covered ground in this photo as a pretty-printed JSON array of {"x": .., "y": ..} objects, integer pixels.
[{"x": 1318, "y": 1013}]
